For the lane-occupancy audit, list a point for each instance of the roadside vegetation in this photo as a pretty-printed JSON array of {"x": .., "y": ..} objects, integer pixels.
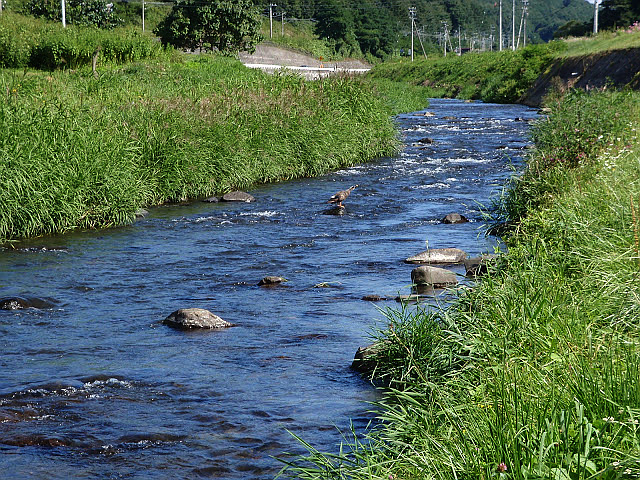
[{"x": 534, "y": 373}]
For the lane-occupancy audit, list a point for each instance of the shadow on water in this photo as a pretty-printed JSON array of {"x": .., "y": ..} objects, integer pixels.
[{"x": 95, "y": 386}]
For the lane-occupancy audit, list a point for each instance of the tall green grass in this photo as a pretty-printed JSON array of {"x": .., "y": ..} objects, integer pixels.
[
  {"x": 30, "y": 42},
  {"x": 535, "y": 372},
  {"x": 85, "y": 152}
]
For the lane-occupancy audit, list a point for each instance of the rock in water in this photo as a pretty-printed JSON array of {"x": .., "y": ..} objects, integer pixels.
[
  {"x": 455, "y": 218},
  {"x": 438, "y": 255},
  {"x": 187, "y": 318},
  {"x": 438, "y": 277},
  {"x": 271, "y": 280},
  {"x": 238, "y": 197}
]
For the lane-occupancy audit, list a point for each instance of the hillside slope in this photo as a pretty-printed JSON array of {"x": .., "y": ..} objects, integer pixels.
[{"x": 617, "y": 68}]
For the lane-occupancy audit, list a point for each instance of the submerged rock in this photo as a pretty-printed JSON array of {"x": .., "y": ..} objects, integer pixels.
[
  {"x": 454, "y": 218},
  {"x": 373, "y": 298},
  {"x": 188, "y": 318},
  {"x": 211, "y": 199},
  {"x": 438, "y": 255},
  {"x": 271, "y": 281},
  {"x": 337, "y": 210},
  {"x": 437, "y": 277},
  {"x": 238, "y": 197},
  {"x": 19, "y": 303}
]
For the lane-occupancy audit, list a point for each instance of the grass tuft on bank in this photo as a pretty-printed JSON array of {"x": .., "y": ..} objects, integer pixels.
[
  {"x": 535, "y": 372},
  {"x": 84, "y": 152}
]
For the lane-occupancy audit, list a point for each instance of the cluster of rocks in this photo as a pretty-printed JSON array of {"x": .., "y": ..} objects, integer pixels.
[{"x": 426, "y": 278}]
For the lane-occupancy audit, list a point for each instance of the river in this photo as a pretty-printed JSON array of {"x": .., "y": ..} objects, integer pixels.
[{"x": 95, "y": 386}]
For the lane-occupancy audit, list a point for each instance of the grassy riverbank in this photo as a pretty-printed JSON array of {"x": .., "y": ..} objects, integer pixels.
[
  {"x": 535, "y": 372},
  {"x": 500, "y": 77},
  {"x": 85, "y": 152}
]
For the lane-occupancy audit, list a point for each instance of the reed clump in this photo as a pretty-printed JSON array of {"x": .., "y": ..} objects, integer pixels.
[
  {"x": 84, "y": 152},
  {"x": 535, "y": 372}
]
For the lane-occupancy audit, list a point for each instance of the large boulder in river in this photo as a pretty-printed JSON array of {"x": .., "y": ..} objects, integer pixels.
[
  {"x": 454, "y": 218},
  {"x": 437, "y": 277},
  {"x": 188, "y": 318},
  {"x": 19, "y": 303},
  {"x": 238, "y": 197},
  {"x": 438, "y": 255}
]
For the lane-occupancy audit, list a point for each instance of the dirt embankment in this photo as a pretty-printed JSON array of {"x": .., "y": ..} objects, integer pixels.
[
  {"x": 270, "y": 54},
  {"x": 618, "y": 68}
]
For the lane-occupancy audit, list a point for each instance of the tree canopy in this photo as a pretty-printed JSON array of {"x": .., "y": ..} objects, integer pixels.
[{"x": 226, "y": 26}]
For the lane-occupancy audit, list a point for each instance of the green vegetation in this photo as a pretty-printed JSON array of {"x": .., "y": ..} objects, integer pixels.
[
  {"x": 223, "y": 26},
  {"x": 383, "y": 29},
  {"x": 26, "y": 41},
  {"x": 604, "y": 41},
  {"x": 500, "y": 77},
  {"x": 535, "y": 372},
  {"x": 84, "y": 152},
  {"x": 299, "y": 35}
]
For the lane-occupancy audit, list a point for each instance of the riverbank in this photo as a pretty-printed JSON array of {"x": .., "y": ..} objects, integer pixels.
[
  {"x": 526, "y": 75},
  {"x": 88, "y": 151},
  {"x": 534, "y": 373}
]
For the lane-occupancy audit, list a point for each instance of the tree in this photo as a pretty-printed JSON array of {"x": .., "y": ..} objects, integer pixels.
[
  {"x": 228, "y": 26},
  {"x": 619, "y": 13},
  {"x": 96, "y": 13}
]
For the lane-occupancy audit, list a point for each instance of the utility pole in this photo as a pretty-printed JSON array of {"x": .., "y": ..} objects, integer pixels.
[
  {"x": 513, "y": 26},
  {"x": 526, "y": 14},
  {"x": 412, "y": 15},
  {"x": 446, "y": 36},
  {"x": 595, "y": 16},
  {"x": 282, "y": 32},
  {"x": 142, "y": 15},
  {"x": 459, "y": 41},
  {"x": 64, "y": 15},
  {"x": 500, "y": 28},
  {"x": 271, "y": 5}
]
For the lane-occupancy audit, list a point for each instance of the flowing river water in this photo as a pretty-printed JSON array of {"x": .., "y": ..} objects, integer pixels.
[{"x": 95, "y": 386}]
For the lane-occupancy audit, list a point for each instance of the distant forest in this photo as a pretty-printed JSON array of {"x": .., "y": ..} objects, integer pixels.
[{"x": 382, "y": 27}]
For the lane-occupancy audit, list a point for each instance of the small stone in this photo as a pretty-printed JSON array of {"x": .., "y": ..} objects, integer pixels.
[
  {"x": 188, "y": 318},
  {"x": 455, "y": 218},
  {"x": 212, "y": 200},
  {"x": 238, "y": 197},
  {"x": 141, "y": 213}
]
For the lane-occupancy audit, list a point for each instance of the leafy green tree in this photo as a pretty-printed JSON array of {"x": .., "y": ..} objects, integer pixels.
[
  {"x": 619, "y": 13},
  {"x": 335, "y": 22},
  {"x": 227, "y": 26},
  {"x": 96, "y": 13}
]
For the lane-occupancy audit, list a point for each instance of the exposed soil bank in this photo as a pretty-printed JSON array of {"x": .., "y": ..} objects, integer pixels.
[{"x": 617, "y": 68}]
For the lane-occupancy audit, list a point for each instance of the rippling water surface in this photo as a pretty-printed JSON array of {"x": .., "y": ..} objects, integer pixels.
[{"x": 96, "y": 387}]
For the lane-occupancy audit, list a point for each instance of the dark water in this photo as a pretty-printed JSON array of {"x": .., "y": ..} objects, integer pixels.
[{"x": 96, "y": 387}]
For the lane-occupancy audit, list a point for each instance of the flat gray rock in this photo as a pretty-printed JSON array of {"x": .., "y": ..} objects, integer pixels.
[
  {"x": 238, "y": 197},
  {"x": 188, "y": 318},
  {"x": 439, "y": 255}
]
